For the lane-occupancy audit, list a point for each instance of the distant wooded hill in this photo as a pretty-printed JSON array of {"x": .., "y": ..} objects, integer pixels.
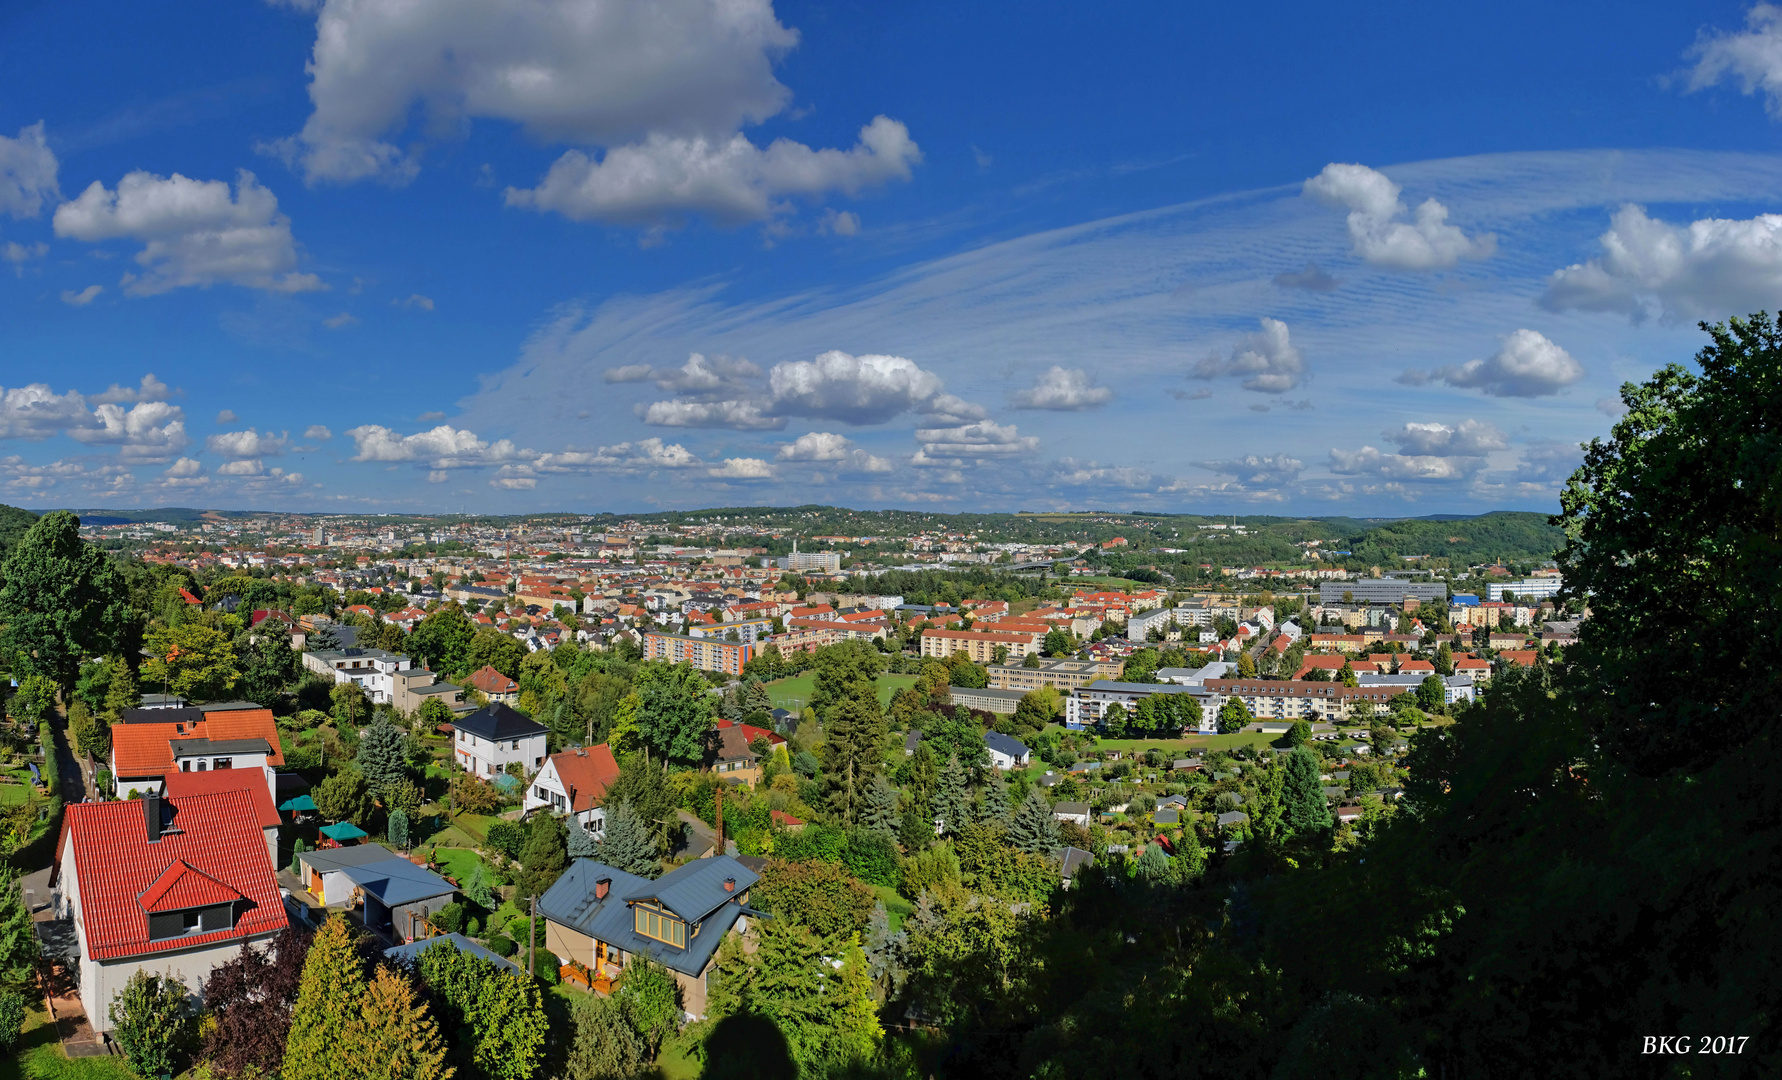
[{"x": 13, "y": 523}]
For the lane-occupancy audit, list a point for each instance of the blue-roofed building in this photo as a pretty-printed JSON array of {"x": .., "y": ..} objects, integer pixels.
[
  {"x": 1007, "y": 752},
  {"x": 413, "y": 950},
  {"x": 398, "y": 896},
  {"x": 1466, "y": 599},
  {"x": 604, "y": 917}
]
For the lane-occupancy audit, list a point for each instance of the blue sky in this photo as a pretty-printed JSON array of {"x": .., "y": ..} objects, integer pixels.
[{"x": 417, "y": 255}]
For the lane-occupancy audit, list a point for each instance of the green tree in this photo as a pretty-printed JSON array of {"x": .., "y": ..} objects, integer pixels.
[
  {"x": 150, "y": 1018},
  {"x": 606, "y": 1046},
  {"x": 952, "y": 798},
  {"x": 1033, "y": 829},
  {"x": 494, "y": 648},
  {"x": 827, "y": 1016},
  {"x": 496, "y": 1015},
  {"x": 626, "y": 844},
  {"x": 1233, "y": 716},
  {"x": 350, "y": 703},
  {"x": 644, "y": 784},
  {"x": 652, "y": 1001},
  {"x": 383, "y": 756},
  {"x": 1431, "y": 693},
  {"x": 1141, "y": 666},
  {"x": 122, "y": 692},
  {"x": 1246, "y": 665},
  {"x": 1058, "y": 642},
  {"x": 820, "y": 895},
  {"x": 1444, "y": 659},
  {"x": 441, "y": 641},
  {"x": 544, "y": 856},
  {"x": 328, "y": 999},
  {"x": 1114, "y": 720},
  {"x": 397, "y": 830},
  {"x": 192, "y": 660},
  {"x": 675, "y": 716},
  {"x": 1306, "y": 811},
  {"x": 269, "y": 667},
  {"x": 13, "y": 1012},
  {"x": 345, "y": 796},
  {"x": 851, "y": 754},
  {"x": 19, "y": 948},
  {"x": 879, "y": 814},
  {"x": 393, "y": 1037},
  {"x": 993, "y": 809},
  {"x": 61, "y": 601},
  {"x": 478, "y": 889},
  {"x": 838, "y": 669}
]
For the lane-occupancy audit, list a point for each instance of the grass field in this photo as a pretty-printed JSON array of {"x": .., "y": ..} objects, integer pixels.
[
  {"x": 38, "y": 1056},
  {"x": 794, "y": 693},
  {"x": 895, "y": 905}
]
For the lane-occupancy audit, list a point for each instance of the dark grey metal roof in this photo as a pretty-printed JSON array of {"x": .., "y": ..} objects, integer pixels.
[
  {"x": 1006, "y": 744},
  {"x": 162, "y": 716},
  {"x": 1072, "y": 859},
  {"x": 333, "y": 859},
  {"x": 571, "y": 903},
  {"x": 396, "y": 881},
  {"x": 497, "y": 722},
  {"x": 194, "y": 747},
  {"x": 697, "y": 889}
]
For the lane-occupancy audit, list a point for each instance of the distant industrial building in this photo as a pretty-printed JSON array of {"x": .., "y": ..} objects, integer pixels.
[{"x": 1386, "y": 590}]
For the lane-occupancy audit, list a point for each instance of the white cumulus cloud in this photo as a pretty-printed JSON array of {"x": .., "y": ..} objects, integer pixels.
[
  {"x": 318, "y": 432},
  {"x": 83, "y": 297},
  {"x": 868, "y": 389},
  {"x": 1528, "y": 365},
  {"x": 1425, "y": 452},
  {"x": 742, "y": 469},
  {"x": 1064, "y": 390},
  {"x": 194, "y": 232},
  {"x": 27, "y": 173},
  {"x": 1379, "y": 236},
  {"x": 247, "y": 444},
  {"x": 443, "y": 447},
  {"x": 1708, "y": 269},
  {"x": 1268, "y": 357},
  {"x": 730, "y": 180},
  {"x": 827, "y": 446},
  {"x": 986, "y": 438},
  {"x": 149, "y": 389},
  {"x": 149, "y": 433},
  {"x": 642, "y": 454},
  {"x": 37, "y": 412},
  {"x": 1258, "y": 468}
]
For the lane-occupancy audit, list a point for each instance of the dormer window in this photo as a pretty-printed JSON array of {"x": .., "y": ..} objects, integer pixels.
[{"x": 652, "y": 922}]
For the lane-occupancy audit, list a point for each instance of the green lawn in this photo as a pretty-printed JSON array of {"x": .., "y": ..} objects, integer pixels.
[
  {"x": 13, "y": 794},
  {"x": 476, "y": 826},
  {"x": 794, "y": 693},
  {"x": 38, "y": 1056},
  {"x": 458, "y": 862},
  {"x": 895, "y": 905}
]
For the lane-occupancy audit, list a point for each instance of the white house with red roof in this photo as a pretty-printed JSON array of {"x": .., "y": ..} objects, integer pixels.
[
  {"x": 574, "y": 782},
  {"x": 495, "y": 686},
  {"x": 170, "y": 886}
]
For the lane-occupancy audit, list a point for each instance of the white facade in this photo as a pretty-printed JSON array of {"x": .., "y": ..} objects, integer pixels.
[
  {"x": 1085, "y": 706},
  {"x": 372, "y": 669},
  {"x": 547, "y": 791},
  {"x": 1527, "y": 588},
  {"x": 748, "y": 630},
  {"x": 101, "y": 981},
  {"x": 489, "y": 758}
]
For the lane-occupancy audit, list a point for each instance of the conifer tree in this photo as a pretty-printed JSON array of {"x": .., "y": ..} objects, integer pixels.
[
  {"x": 394, "y": 1037},
  {"x": 757, "y": 699},
  {"x": 994, "y": 809},
  {"x": 397, "y": 831},
  {"x": 1033, "y": 829},
  {"x": 477, "y": 887},
  {"x": 383, "y": 755},
  {"x": 328, "y": 1000},
  {"x": 544, "y": 856},
  {"x": 952, "y": 800},
  {"x": 1303, "y": 792},
  {"x": 851, "y": 755},
  {"x": 626, "y": 843},
  {"x": 581, "y": 842},
  {"x": 880, "y": 813}
]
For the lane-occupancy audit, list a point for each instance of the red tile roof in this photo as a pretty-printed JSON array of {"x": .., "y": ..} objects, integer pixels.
[
  {"x": 751, "y": 732},
  {"x": 183, "y": 885},
  {"x": 144, "y": 750},
  {"x": 586, "y": 775},
  {"x": 252, "y": 781},
  {"x": 215, "y": 835},
  {"x": 490, "y": 681}
]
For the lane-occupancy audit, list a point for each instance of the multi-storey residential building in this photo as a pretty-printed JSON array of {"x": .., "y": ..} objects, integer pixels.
[
  {"x": 1085, "y": 706},
  {"x": 372, "y": 669},
  {"x": 1064, "y": 675},
  {"x": 980, "y": 647},
  {"x": 748, "y": 631},
  {"x": 574, "y": 782},
  {"x": 1535, "y": 588},
  {"x": 707, "y": 654},
  {"x": 487, "y": 741},
  {"x": 1455, "y": 688},
  {"x": 1385, "y": 590},
  {"x": 148, "y": 744},
  {"x": 1305, "y": 700}
]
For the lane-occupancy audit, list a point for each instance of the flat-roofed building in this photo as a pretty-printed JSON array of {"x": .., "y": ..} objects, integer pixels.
[
  {"x": 1063, "y": 675},
  {"x": 707, "y": 654},
  {"x": 980, "y": 647}
]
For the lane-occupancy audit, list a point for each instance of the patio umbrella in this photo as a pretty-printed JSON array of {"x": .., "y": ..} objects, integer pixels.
[
  {"x": 300, "y": 803},
  {"x": 344, "y": 830}
]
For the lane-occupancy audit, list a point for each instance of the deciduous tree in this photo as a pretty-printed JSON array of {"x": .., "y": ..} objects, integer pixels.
[
  {"x": 61, "y": 601},
  {"x": 149, "y": 1018}
]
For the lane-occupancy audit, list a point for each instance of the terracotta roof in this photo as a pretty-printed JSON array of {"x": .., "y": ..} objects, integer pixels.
[
  {"x": 213, "y": 835},
  {"x": 751, "y": 732},
  {"x": 146, "y": 749},
  {"x": 490, "y": 681},
  {"x": 183, "y": 885},
  {"x": 586, "y": 775},
  {"x": 733, "y": 745},
  {"x": 252, "y": 781}
]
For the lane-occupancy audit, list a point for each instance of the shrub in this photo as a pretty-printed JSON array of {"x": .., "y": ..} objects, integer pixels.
[
  {"x": 450, "y": 918},
  {"x": 501, "y": 945},
  {"x": 507, "y": 838},
  {"x": 544, "y": 965},
  {"x": 872, "y": 857},
  {"x": 12, "y": 1018}
]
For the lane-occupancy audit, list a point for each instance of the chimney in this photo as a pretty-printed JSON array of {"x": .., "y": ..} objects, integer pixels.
[
  {"x": 151, "y": 816},
  {"x": 729, "y": 884},
  {"x": 602, "y": 887}
]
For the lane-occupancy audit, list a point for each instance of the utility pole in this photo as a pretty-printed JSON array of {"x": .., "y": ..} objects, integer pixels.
[{"x": 719, "y": 796}]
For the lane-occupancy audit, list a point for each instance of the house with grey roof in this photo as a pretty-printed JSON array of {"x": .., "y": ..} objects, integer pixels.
[
  {"x": 487, "y": 741},
  {"x": 1006, "y": 752},
  {"x": 605, "y": 918},
  {"x": 411, "y": 952},
  {"x": 1233, "y": 817},
  {"x": 1071, "y": 860},
  {"x": 397, "y": 896}
]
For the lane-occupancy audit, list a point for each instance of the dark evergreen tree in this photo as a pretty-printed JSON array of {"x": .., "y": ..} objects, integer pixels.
[
  {"x": 1306, "y": 811},
  {"x": 626, "y": 843},
  {"x": 1033, "y": 829}
]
